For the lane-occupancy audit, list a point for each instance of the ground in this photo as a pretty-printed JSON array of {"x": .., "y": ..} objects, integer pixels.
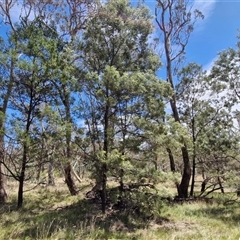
[{"x": 51, "y": 213}]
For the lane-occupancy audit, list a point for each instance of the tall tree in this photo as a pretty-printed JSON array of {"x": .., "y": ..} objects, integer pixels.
[
  {"x": 175, "y": 21},
  {"x": 64, "y": 84},
  {"x": 8, "y": 59},
  {"x": 35, "y": 42},
  {"x": 120, "y": 85}
]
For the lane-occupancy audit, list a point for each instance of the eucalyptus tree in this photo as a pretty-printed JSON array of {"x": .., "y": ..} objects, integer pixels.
[
  {"x": 195, "y": 108},
  {"x": 175, "y": 21},
  {"x": 225, "y": 84},
  {"x": 209, "y": 123},
  {"x": 120, "y": 88}
]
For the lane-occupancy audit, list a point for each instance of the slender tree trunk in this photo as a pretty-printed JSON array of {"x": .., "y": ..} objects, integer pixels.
[
  {"x": 39, "y": 169},
  {"x": 193, "y": 157},
  {"x": 171, "y": 159},
  {"x": 104, "y": 165},
  {"x": 50, "y": 174},
  {"x": 68, "y": 167},
  {"x": 104, "y": 184},
  {"x": 186, "y": 176},
  {"x": 22, "y": 178},
  {"x": 193, "y": 175},
  {"x": 238, "y": 191},
  {"x": 3, "y": 193},
  {"x": 220, "y": 184},
  {"x": 69, "y": 179}
]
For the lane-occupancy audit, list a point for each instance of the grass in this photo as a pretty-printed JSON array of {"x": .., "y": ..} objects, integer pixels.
[{"x": 51, "y": 213}]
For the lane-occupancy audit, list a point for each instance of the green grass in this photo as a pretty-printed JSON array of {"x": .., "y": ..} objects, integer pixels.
[{"x": 51, "y": 213}]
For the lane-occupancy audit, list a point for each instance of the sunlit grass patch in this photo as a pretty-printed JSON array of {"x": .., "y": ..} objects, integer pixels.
[{"x": 51, "y": 213}]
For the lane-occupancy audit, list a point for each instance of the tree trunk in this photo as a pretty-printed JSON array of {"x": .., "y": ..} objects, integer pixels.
[
  {"x": 104, "y": 165},
  {"x": 193, "y": 157},
  {"x": 220, "y": 184},
  {"x": 183, "y": 186},
  {"x": 104, "y": 184},
  {"x": 22, "y": 178},
  {"x": 193, "y": 176},
  {"x": 3, "y": 193},
  {"x": 68, "y": 168},
  {"x": 51, "y": 181},
  {"x": 20, "y": 192},
  {"x": 69, "y": 180},
  {"x": 171, "y": 159},
  {"x": 238, "y": 192},
  {"x": 174, "y": 26}
]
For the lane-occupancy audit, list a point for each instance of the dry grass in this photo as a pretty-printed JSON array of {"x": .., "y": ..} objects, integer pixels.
[{"x": 50, "y": 213}]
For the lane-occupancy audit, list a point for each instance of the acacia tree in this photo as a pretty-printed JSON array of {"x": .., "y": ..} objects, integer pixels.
[
  {"x": 175, "y": 21},
  {"x": 119, "y": 88}
]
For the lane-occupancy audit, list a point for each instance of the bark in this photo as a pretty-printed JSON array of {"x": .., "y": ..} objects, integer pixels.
[
  {"x": 22, "y": 178},
  {"x": 175, "y": 28},
  {"x": 220, "y": 184},
  {"x": 106, "y": 149},
  {"x": 39, "y": 170},
  {"x": 203, "y": 186},
  {"x": 171, "y": 159},
  {"x": 3, "y": 193},
  {"x": 76, "y": 175},
  {"x": 51, "y": 180},
  {"x": 104, "y": 184},
  {"x": 193, "y": 176},
  {"x": 183, "y": 186},
  {"x": 69, "y": 179},
  {"x": 68, "y": 168},
  {"x": 238, "y": 192},
  {"x": 194, "y": 157}
]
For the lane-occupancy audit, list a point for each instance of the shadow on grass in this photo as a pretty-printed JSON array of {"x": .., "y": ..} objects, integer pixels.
[
  {"x": 80, "y": 220},
  {"x": 83, "y": 217},
  {"x": 229, "y": 214}
]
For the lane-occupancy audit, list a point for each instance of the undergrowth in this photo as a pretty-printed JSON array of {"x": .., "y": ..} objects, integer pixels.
[{"x": 50, "y": 213}]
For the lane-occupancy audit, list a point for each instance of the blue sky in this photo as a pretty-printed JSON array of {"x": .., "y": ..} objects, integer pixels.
[{"x": 218, "y": 31}]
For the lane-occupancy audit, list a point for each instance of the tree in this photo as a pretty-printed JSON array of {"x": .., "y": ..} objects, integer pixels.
[
  {"x": 64, "y": 84},
  {"x": 197, "y": 110},
  {"x": 225, "y": 89},
  {"x": 31, "y": 85},
  {"x": 120, "y": 88},
  {"x": 175, "y": 20}
]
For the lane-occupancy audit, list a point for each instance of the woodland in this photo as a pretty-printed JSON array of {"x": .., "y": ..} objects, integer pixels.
[{"x": 94, "y": 144}]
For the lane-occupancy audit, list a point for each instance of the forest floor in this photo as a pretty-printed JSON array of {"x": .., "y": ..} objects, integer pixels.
[{"x": 51, "y": 213}]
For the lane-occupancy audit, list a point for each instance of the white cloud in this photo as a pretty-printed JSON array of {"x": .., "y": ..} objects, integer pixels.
[{"x": 206, "y": 7}]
